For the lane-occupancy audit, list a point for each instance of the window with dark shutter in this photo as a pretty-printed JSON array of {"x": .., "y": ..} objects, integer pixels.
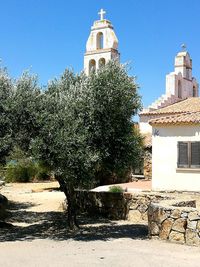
[
  {"x": 195, "y": 154},
  {"x": 188, "y": 155},
  {"x": 183, "y": 161}
]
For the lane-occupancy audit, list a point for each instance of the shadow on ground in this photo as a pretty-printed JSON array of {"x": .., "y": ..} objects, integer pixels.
[{"x": 52, "y": 225}]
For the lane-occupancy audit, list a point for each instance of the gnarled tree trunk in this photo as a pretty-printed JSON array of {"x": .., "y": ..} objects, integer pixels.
[{"x": 70, "y": 194}]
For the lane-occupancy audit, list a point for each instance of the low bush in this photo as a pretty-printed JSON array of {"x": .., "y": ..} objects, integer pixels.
[
  {"x": 26, "y": 172},
  {"x": 116, "y": 189},
  {"x": 43, "y": 173},
  {"x": 20, "y": 172},
  {"x": 22, "y": 168}
]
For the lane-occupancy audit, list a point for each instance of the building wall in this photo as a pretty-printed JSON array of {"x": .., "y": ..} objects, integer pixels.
[
  {"x": 144, "y": 125},
  {"x": 187, "y": 85},
  {"x": 165, "y": 175}
]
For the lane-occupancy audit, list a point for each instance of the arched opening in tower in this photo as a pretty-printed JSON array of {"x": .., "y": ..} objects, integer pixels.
[
  {"x": 194, "y": 91},
  {"x": 92, "y": 65},
  {"x": 102, "y": 62},
  {"x": 179, "y": 89},
  {"x": 99, "y": 40}
]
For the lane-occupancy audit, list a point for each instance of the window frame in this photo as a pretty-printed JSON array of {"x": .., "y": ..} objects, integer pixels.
[{"x": 189, "y": 155}]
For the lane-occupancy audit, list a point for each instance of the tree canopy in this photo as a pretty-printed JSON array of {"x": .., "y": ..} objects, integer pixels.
[
  {"x": 87, "y": 134},
  {"x": 80, "y": 126},
  {"x": 6, "y": 90}
]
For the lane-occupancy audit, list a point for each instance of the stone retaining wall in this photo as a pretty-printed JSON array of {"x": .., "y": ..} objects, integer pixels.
[
  {"x": 112, "y": 205},
  {"x": 139, "y": 205},
  {"x": 168, "y": 219},
  {"x": 175, "y": 221},
  {"x": 147, "y": 164},
  {"x": 116, "y": 206}
]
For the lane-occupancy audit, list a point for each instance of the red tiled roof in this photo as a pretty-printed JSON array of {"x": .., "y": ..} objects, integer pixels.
[
  {"x": 178, "y": 119},
  {"x": 191, "y": 104}
]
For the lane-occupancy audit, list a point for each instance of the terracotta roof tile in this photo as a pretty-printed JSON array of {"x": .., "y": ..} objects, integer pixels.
[
  {"x": 178, "y": 119},
  {"x": 191, "y": 104}
]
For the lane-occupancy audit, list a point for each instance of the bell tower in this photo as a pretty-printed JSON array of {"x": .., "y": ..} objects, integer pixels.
[
  {"x": 181, "y": 83},
  {"x": 102, "y": 44}
]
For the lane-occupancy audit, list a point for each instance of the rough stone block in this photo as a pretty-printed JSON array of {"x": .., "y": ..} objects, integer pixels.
[
  {"x": 192, "y": 238},
  {"x": 177, "y": 237},
  {"x": 166, "y": 228},
  {"x": 153, "y": 228},
  {"x": 157, "y": 214},
  {"x": 134, "y": 216},
  {"x": 193, "y": 216},
  {"x": 176, "y": 214},
  {"x": 144, "y": 216},
  {"x": 198, "y": 225},
  {"x": 180, "y": 225},
  {"x": 143, "y": 208},
  {"x": 133, "y": 206},
  {"x": 192, "y": 224},
  {"x": 184, "y": 215}
]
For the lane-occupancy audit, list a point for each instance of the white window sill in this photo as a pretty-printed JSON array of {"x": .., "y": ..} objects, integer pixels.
[{"x": 187, "y": 169}]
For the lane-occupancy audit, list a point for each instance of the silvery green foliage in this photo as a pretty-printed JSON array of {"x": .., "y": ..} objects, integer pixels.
[
  {"x": 25, "y": 107},
  {"x": 63, "y": 141},
  {"x": 6, "y": 87},
  {"x": 86, "y": 127},
  {"x": 20, "y": 106},
  {"x": 114, "y": 100}
]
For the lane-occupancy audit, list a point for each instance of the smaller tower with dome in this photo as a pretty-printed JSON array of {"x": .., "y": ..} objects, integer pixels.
[
  {"x": 102, "y": 44},
  {"x": 180, "y": 84}
]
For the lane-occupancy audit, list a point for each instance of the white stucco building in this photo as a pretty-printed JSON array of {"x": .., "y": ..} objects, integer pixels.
[
  {"x": 102, "y": 44},
  {"x": 176, "y": 147},
  {"x": 179, "y": 85}
]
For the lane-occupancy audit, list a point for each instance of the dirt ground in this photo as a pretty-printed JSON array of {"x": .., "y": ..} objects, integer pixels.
[{"x": 38, "y": 236}]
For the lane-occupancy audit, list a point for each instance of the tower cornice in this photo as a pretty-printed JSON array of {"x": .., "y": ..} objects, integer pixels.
[{"x": 105, "y": 50}]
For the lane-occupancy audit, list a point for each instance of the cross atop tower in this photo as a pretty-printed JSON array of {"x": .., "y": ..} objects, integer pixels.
[
  {"x": 101, "y": 13},
  {"x": 183, "y": 46}
]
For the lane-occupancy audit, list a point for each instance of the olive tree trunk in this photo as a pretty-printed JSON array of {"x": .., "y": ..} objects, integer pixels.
[{"x": 72, "y": 208}]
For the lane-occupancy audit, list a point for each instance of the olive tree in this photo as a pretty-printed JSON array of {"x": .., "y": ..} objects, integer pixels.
[
  {"x": 86, "y": 132},
  {"x": 6, "y": 89},
  {"x": 24, "y": 109},
  {"x": 114, "y": 101},
  {"x": 63, "y": 142}
]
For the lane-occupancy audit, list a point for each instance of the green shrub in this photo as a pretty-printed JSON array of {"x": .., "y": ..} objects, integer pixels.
[
  {"x": 26, "y": 171},
  {"x": 116, "y": 189},
  {"x": 20, "y": 172},
  {"x": 2, "y": 172},
  {"x": 22, "y": 168},
  {"x": 43, "y": 173}
]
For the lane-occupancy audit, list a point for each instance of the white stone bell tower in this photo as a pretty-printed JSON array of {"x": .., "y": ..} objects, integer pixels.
[
  {"x": 181, "y": 83},
  {"x": 101, "y": 46}
]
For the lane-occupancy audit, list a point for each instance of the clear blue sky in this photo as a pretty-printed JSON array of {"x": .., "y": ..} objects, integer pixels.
[{"x": 50, "y": 35}]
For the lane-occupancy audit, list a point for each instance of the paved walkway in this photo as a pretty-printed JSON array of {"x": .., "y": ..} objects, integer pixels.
[
  {"x": 139, "y": 185},
  {"x": 39, "y": 236},
  {"x": 118, "y": 252}
]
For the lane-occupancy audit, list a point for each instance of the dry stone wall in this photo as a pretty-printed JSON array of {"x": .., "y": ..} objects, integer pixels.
[
  {"x": 139, "y": 204},
  {"x": 167, "y": 218},
  {"x": 177, "y": 222},
  {"x": 148, "y": 164},
  {"x": 112, "y": 205},
  {"x": 116, "y": 206}
]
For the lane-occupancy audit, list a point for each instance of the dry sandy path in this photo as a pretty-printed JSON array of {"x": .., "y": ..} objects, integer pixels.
[
  {"x": 118, "y": 252},
  {"x": 39, "y": 237}
]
